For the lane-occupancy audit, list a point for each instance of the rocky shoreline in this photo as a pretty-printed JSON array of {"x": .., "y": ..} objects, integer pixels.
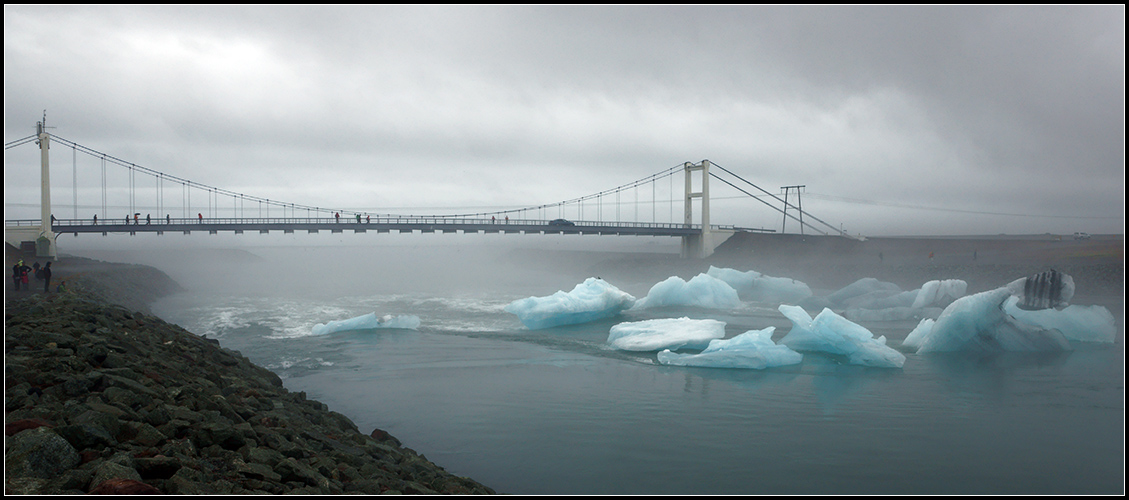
[{"x": 101, "y": 398}]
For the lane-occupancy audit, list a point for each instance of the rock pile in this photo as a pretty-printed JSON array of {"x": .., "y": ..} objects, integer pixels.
[{"x": 100, "y": 399}]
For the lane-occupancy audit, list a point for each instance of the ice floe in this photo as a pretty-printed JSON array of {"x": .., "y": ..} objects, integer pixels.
[
  {"x": 666, "y": 333},
  {"x": 366, "y": 322},
  {"x": 702, "y": 290},
  {"x": 828, "y": 332},
  {"x": 753, "y": 349},
  {"x": 588, "y": 301}
]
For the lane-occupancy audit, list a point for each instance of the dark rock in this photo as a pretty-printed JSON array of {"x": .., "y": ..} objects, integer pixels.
[
  {"x": 161, "y": 467},
  {"x": 39, "y": 453},
  {"x": 384, "y": 437},
  {"x": 13, "y": 428},
  {"x": 124, "y": 487}
]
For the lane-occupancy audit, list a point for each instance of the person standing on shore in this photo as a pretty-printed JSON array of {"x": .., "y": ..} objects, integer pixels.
[
  {"x": 24, "y": 270},
  {"x": 36, "y": 268},
  {"x": 16, "y": 274},
  {"x": 47, "y": 278}
]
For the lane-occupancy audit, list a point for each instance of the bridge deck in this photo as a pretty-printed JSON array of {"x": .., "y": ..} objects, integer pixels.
[{"x": 379, "y": 225}]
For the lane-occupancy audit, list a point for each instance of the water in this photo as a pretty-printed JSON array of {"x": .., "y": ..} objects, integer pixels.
[{"x": 558, "y": 412}]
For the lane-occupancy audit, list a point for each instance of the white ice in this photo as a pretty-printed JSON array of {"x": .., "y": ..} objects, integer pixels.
[
  {"x": 753, "y": 349},
  {"x": 588, "y": 301},
  {"x": 367, "y": 321},
  {"x": 667, "y": 333},
  {"x": 869, "y": 299},
  {"x": 757, "y": 287},
  {"x": 939, "y": 293},
  {"x": 702, "y": 290},
  {"x": 834, "y": 334},
  {"x": 1082, "y": 323},
  {"x": 978, "y": 323}
]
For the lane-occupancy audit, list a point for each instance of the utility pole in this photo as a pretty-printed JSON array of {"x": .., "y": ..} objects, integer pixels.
[{"x": 799, "y": 206}]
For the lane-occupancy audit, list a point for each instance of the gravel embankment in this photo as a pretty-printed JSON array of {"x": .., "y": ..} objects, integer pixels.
[{"x": 100, "y": 398}]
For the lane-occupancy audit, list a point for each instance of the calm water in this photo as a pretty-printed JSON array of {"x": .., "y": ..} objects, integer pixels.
[{"x": 557, "y": 412}]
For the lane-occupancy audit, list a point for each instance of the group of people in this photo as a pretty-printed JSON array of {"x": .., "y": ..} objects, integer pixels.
[
  {"x": 337, "y": 216},
  {"x": 20, "y": 274}
]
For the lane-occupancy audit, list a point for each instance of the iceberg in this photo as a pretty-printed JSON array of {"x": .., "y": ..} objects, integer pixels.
[
  {"x": 1081, "y": 323},
  {"x": 978, "y": 323},
  {"x": 834, "y": 334},
  {"x": 588, "y": 301},
  {"x": 366, "y": 322},
  {"x": 1029, "y": 314},
  {"x": 753, "y": 349},
  {"x": 883, "y": 303},
  {"x": 667, "y": 333},
  {"x": 702, "y": 290},
  {"x": 939, "y": 293},
  {"x": 756, "y": 287}
]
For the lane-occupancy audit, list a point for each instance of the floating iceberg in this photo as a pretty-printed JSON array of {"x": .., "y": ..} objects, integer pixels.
[
  {"x": 753, "y": 349},
  {"x": 594, "y": 299},
  {"x": 669, "y": 333},
  {"x": 939, "y": 293},
  {"x": 756, "y": 287},
  {"x": 702, "y": 290},
  {"x": 1017, "y": 317},
  {"x": 1082, "y": 323},
  {"x": 366, "y": 322},
  {"x": 834, "y": 334},
  {"x": 979, "y": 323},
  {"x": 872, "y": 300}
]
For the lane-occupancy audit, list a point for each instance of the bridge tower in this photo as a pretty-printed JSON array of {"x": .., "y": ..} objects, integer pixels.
[
  {"x": 703, "y": 244},
  {"x": 43, "y": 236},
  {"x": 45, "y": 243}
]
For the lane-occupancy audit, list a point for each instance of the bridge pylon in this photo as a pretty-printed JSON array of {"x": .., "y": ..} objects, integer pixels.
[
  {"x": 43, "y": 236},
  {"x": 703, "y": 244}
]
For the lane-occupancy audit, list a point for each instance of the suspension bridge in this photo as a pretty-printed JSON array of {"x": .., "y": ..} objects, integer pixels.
[{"x": 228, "y": 211}]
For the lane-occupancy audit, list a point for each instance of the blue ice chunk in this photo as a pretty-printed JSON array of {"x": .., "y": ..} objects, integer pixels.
[
  {"x": 753, "y": 349},
  {"x": 367, "y": 321},
  {"x": 939, "y": 292},
  {"x": 666, "y": 333},
  {"x": 978, "y": 323},
  {"x": 588, "y": 301},
  {"x": 702, "y": 290},
  {"x": 1082, "y": 323},
  {"x": 834, "y": 334},
  {"x": 757, "y": 287}
]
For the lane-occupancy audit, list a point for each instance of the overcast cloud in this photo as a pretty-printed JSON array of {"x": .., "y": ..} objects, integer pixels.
[{"x": 899, "y": 120}]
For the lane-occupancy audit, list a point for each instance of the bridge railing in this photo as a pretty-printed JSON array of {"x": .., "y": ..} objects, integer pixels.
[{"x": 62, "y": 225}]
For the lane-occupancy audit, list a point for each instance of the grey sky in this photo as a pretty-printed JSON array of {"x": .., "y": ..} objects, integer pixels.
[{"x": 899, "y": 120}]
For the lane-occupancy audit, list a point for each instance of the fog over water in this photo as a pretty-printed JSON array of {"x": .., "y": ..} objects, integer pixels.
[{"x": 558, "y": 411}]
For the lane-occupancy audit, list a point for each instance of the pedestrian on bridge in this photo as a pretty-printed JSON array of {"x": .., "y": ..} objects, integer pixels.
[
  {"x": 95, "y": 219},
  {"x": 168, "y": 219},
  {"x": 358, "y": 218},
  {"x": 147, "y": 220},
  {"x": 368, "y": 219},
  {"x": 337, "y": 215},
  {"x": 200, "y": 216}
]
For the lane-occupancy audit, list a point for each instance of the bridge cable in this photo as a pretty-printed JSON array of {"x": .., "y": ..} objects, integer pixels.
[{"x": 777, "y": 199}]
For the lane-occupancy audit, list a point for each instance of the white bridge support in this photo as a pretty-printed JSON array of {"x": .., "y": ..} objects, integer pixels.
[
  {"x": 702, "y": 245},
  {"x": 42, "y": 235}
]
